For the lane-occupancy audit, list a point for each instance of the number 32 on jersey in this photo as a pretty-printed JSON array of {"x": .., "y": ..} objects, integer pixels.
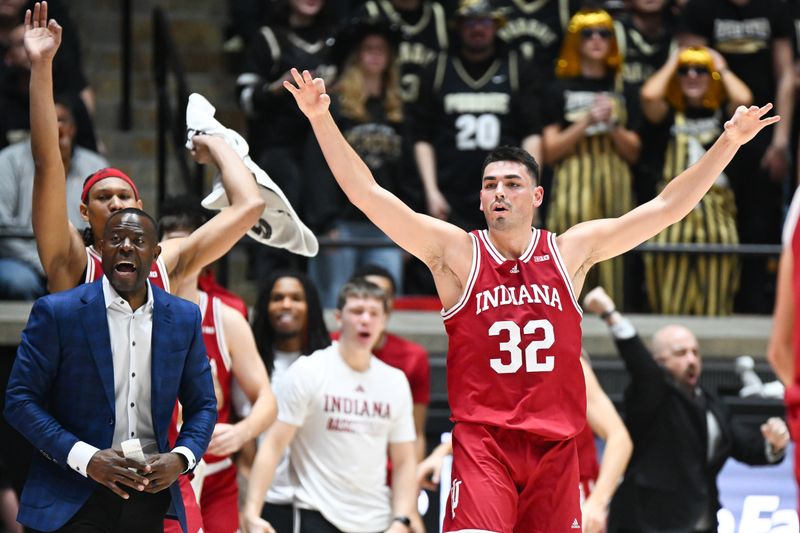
[{"x": 512, "y": 347}]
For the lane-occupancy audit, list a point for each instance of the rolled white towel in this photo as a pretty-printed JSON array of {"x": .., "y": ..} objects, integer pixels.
[{"x": 279, "y": 225}]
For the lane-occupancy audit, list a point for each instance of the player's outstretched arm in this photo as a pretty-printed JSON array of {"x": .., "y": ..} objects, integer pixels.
[
  {"x": 597, "y": 240},
  {"x": 425, "y": 237},
  {"x": 781, "y": 350},
  {"x": 607, "y": 424},
  {"x": 185, "y": 257},
  {"x": 59, "y": 244}
]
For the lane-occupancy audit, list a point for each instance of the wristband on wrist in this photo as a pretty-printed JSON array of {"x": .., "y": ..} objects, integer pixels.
[
  {"x": 406, "y": 521},
  {"x": 605, "y": 314}
]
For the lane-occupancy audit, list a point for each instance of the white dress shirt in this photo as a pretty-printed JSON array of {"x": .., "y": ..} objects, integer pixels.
[{"x": 130, "y": 333}]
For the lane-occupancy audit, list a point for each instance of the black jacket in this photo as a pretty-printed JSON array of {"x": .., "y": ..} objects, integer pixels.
[{"x": 670, "y": 482}]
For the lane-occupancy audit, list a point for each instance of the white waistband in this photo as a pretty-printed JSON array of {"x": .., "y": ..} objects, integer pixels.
[{"x": 219, "y": 466}]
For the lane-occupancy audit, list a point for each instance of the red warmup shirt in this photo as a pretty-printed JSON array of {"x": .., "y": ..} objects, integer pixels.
[
  {"x": 409, "y": 357},
  {"x": 515, "y": 342},
  {"x": 218, "y": 358},
  {"x": 207, "y": 282}
]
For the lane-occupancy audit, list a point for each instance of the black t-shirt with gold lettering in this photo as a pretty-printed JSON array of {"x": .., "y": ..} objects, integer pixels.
[
  {"x": 425, "y": 35},
  {"x": 466, "y": 110},
  {"x": 536, "y": 28},
  {"x": 744, "y": 35}
]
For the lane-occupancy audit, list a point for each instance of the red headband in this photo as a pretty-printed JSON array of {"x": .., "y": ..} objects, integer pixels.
[{"x": 103, "y": 174}]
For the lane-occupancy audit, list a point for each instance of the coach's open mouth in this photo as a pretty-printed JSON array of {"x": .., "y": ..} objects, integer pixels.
[{"x": 125, "y": 267}]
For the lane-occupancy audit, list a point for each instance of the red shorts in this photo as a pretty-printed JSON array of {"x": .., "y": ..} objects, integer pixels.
[
  {"x": 510, "y": 481},
  {"x": 219, "y": 501},
  {"x": 194, "y": 520}
]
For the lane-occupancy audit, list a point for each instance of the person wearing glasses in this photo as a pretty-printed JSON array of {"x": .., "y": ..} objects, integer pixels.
[
  {"x": 755, "y": 37},
  {"x": 684, "y": 105},
  {"x": 590, "y": 134}
]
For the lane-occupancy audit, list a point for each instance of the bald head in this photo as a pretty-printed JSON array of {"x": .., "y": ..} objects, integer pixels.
[{"x": 676, "y": 349}]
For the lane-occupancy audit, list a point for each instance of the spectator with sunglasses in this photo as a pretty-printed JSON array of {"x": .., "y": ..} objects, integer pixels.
[
  {"x": 684, "y": 105},
  {"x": 590, "y": 135},
  {"x": 754, "y": 36}
]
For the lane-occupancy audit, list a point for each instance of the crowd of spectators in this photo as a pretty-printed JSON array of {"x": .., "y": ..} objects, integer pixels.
[{"x": 615, "y": 98}]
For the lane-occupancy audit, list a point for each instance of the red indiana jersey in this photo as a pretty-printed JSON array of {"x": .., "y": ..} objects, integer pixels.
[
  {"x": 218, "y": 357},
  {"x": 94, "y": 270},
  {"x": 515, "y": 341}
]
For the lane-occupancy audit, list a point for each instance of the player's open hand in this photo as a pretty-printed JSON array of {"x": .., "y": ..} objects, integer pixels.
[
  {"x": 594, "y": 515},
  {"x": 227, "y": 439},
  {"x": 42, "y": 37},
  {"x": 309, "y": 93},
  {"x": 747, "y": 122}
]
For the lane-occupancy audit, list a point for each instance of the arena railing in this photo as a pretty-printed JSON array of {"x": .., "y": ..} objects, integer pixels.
[{"x": 172, "y": 94}]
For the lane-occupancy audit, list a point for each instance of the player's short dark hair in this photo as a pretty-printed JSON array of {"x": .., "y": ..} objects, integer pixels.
[
  {"x": 138, "y": 212},
  {"x": 181, "y": 213},
  {"x": 375, "y": 270},
  {"x": 513, "y": 153},
  {"x": 362, "y": 288}
]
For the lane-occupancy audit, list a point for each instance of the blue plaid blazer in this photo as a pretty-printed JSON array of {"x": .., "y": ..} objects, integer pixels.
[{"x": 61, "y": 390}]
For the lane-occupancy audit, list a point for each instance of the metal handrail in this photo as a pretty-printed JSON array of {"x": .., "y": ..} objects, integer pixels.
[
  {"x": 711, "y": 249},
  {"x": 171, "y": 122}
]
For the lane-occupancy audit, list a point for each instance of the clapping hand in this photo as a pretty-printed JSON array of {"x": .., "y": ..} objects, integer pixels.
[
  {"x": 747, "y": 122},
  {"x": 42, "y": 37}
]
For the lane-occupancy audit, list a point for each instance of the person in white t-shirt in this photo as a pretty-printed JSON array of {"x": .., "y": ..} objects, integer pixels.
[{"x": 341, "y": 409}]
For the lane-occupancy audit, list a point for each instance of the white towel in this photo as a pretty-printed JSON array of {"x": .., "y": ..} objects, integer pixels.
[{"x": 279, "y": 225}]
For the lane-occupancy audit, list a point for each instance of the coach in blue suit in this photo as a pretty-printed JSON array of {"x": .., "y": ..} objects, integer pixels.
[{"x": 80, "y": 386}]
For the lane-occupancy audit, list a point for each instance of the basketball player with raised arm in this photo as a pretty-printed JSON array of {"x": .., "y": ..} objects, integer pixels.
[
  {"x": 67, "y": 258},
  {"x": 515, "y": 383}
]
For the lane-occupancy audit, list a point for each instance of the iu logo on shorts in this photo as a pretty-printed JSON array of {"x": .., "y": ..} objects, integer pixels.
[{"x": 455, "y": 488}]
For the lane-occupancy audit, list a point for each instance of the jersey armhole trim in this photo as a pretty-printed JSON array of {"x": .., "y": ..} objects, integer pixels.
[
  {"x": 202, "y": 304},
  {"x": 791, "y": 220},
  {"x": 89, "y": 267},
  {"x": 440, "y": 20},
  {"x": 222, "y": 344},
  {"x": 162, "y": 271},
  {"x": 272, "y": 44},
  {"x": 473, "y": 275},
  {"x": 563, "y": 271}
]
